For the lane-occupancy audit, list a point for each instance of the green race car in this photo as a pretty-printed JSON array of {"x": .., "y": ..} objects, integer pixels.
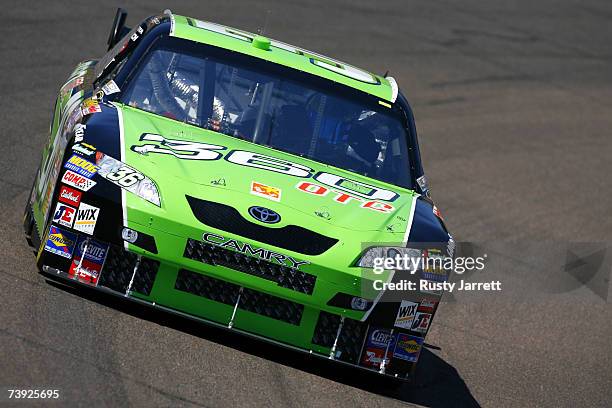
[{"x": 245, "y": 183}]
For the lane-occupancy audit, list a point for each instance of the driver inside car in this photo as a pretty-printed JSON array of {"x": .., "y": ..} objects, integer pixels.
[{"x": 362, "y": 150}]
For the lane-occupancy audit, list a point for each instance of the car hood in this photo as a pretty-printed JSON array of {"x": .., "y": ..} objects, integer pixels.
[{"x": 187, "y": 160}]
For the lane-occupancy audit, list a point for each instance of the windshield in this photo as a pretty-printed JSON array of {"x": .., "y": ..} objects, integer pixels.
[{"x": 272, "y": 105}]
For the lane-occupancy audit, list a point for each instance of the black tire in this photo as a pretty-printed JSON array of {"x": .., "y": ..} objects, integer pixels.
[{"x": 29, "y": 225}]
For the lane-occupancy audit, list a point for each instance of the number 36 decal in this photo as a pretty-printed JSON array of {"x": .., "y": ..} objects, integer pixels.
[{"x": 125, "y": 177}]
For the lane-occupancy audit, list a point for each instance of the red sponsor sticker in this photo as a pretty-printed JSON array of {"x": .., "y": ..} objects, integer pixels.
[
  {"x": 70, "y": 196},
  {"x": 88, "y": 271},
  {"x": 427, "y": 306},
  {"x": 373, "y": 357},
  {"x": 421, "y": 322},
  {"x": 77, "y": 181},
  {"x": 64, "y": 215},
  {"x": 437, "y": 213}
]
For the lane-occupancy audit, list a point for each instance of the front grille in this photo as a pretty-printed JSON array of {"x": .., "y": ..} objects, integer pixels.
[
  {"x": 145, "y": 276},
  {"x": 351, "y": 340},
  {"x": 283, "y": 275},
  {"x": 326, "y": 329},
  {"x": 119, "y": 268},
  {"x": 351, "y": 337},
  {"x": 289, "y": 237},
  {"x": 250, "y": 300},
  {"x": 271, "y": 306},
  {"x": 205, "y": 286}
]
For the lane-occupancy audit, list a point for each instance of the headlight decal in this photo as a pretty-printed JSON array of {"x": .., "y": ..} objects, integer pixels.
[{"x": 127, "y": 178}]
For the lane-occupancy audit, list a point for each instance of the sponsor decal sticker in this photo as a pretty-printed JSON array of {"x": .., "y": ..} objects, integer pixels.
[
  {"x": 88, "y": 269},
  {"x": 408, "y": 347},
  {"x": 128, "y": 178},
  {"x": 435, "y": 275},
  {"x": 86, "y": 218},
  {"x": 405, "y": 314},
  {"x": 262, "y": 190},
  {"x": 427, "y": 306},
  {"x": 343, "y": 197},
  {"x": 90, "y": 106},
  {"x": 380, "y": 338},
  {"x": 64, "y": 215},
  {"x": 70, "y": 196},
  {"x": 373, "y": 357},
  {"x": 423, "y": 184},
  {"x": 433, "y": 270},
  {"x": 96, "y": 250},
  {"x": 60, "y": 242},
  {"x": 76, "y": 180},
  {"x": 85, "y": 270},
  {"x": 377, "y": 342},
  {"x": 421, "y": 322},
  {"x": 437, "y": 212},
  {"x": 110, "y": 88},
  {"x": 81, "y": 166},
  {"x": 84, "y": 149},
  {"x": 79, "y": 132}
]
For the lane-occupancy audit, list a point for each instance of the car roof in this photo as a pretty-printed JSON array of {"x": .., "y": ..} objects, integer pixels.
[{"x": 281, "y": 53}]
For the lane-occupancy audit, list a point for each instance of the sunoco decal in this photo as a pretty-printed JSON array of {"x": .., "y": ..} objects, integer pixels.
[
  {"x": 60, "y": 242},
  {"x": 408, "y": 347}
]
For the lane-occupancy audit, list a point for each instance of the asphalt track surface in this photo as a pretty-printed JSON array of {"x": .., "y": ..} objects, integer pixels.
[{"x": 513, "y": 102}]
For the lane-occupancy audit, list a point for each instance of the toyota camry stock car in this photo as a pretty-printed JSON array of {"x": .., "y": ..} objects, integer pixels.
[{"x": 241, "y": 182}]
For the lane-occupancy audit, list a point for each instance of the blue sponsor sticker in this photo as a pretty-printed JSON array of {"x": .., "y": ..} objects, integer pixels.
[
  {"x": 380, "y": 338},
  {"x": 81, "y": 166},
  {"x": 433, "y": 269},
  {"x": 408, "y": 347},
  {"x": 435, "y": 275},
  {"x": 60, "y": 242},
  {"x": 96, "y": 250}
]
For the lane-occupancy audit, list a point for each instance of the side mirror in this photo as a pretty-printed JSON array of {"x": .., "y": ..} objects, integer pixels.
[{"x": 118, "y": 30}]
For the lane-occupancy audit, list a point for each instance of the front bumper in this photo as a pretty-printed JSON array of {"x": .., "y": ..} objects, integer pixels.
[
  {"x": 62, "y": 277},
  {"x": 247, "y": 310}
]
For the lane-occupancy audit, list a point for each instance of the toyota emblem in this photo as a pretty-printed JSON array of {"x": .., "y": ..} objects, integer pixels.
[{"x": 264, "y": 215}]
